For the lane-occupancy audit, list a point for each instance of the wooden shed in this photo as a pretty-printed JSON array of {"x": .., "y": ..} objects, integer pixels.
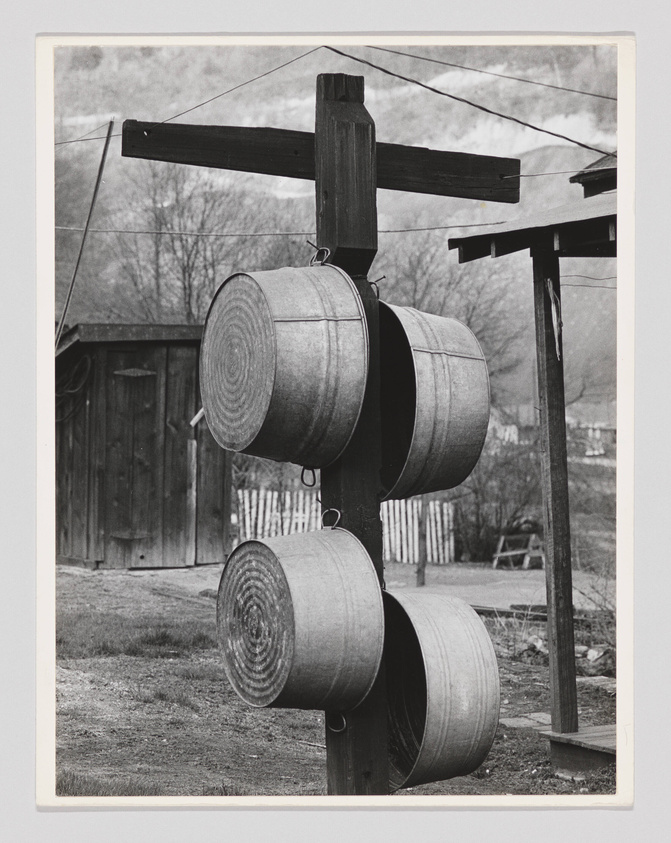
[{"x": 136, "y": 485}]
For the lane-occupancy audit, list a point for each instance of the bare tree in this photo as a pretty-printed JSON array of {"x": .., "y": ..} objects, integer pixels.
[
  {"x": 171, "y": 269},
  {"x": 419, "y": 272},
  {"x": 75, "y": 173}
]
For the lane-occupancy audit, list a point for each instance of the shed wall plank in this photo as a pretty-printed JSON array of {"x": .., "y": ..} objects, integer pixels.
[
  {"x": 96, "y": 502},
  {"x": 180, "y": 407},
  {"x": 213, "y": 495},
  {"x": 134, "y": 474}
]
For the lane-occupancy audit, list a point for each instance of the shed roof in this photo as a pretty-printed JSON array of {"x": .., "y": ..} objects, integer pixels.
[
  {"x": 586, "y": 228},
  {"x": 598, "y": 176},
  {"x": 106, "y": 332}
]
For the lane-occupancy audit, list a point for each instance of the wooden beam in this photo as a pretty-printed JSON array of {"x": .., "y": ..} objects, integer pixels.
[
  {"x": 345, "y": 167},
  {"x": 582, "y": 234},
  {"x": 473, "y": 248},
  {"x": 280, "y": 152},
  {"x": 603, "y": 250},
  {"x": 554, "y": 470},
  {"x": 275, "y": 152},
  {"x": 458, "y": 174},
  {"x": 357, "y": 755},
  {"x": 517, "y": 241}
]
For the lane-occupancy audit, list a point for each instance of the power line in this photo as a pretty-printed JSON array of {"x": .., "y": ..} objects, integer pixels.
[
  {"x": 471, "y": 103},
  {"x": 552, "y": 173},
  {"x": 592, "y": 286},
  {"x": 492, "y": 73},
  {"x": 101, "y": 168},
  {"x": 84, "y": 139},
  {"x": 592, "y": 277},
  {"x": 172, "y": 233},
  {"x": 241, "y": 85},
  {"x": 205, "y": 102},
  {"x": 84, "y": 136}
]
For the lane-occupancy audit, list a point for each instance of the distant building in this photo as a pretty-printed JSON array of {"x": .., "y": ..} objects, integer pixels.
[{"x": 598, "y": 177}]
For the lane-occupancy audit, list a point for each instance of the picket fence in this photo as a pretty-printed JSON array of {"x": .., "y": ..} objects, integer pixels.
[{"x": 262, "y": 513}]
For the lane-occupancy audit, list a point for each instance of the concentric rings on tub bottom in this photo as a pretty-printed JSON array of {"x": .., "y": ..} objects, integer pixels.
[
  {"x": 255, "y": 624},
  {"x": 300, "y": 621},
  {"x": 284, "y": 363}
]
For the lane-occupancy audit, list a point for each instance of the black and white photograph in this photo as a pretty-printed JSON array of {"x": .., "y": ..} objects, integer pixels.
[{"x": 334, "y": 502}]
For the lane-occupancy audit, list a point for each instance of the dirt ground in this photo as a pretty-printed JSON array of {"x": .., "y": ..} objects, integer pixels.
[{"x": 144, "y": 708}]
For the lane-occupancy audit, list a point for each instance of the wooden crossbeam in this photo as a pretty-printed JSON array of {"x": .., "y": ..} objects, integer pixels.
[{"x": 281, "y": 152}]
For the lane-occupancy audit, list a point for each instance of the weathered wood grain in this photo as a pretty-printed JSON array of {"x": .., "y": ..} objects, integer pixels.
[
  {"x": 345, "y": 173},
  {"x": 134, "y": 458},
  {"x": 180, "y": 406},
  {"x": 281, "y": 152},
  {"x": 213, "y": 494},
  {"x": 357, "y": 756},
  {"x": 554, "y": 475},
  {"x": 96, "y": 528}
]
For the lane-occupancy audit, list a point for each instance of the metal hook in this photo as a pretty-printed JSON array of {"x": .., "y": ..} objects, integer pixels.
[
  {"x": 337, "y": 521},
  {"x": 376, "y": 289},
  {"x": 329, "y": 721},
  {"x": 321, "y": 250},
  {"x": 557, "y": 323},
  {"x": 314, "y": 477}
]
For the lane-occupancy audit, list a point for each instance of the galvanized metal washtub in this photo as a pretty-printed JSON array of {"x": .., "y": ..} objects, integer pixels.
[
  {"x": 284, "y": 362},
  {"x": 300, "y": 621},
  {"x": 443, "y": 691},
  {"x": 434, "y": 401}
]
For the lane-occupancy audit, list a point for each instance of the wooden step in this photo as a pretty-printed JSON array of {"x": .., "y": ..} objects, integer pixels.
[{"x": 590, "y": 748}]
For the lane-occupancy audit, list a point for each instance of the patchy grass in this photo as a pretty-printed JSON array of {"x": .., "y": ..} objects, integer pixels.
[
  {"x": 200, "y": 672},
  {"x": 69, "y": 783},
  {"x": 81, "y": 635},
  {"x": 172, "y": 696},
  {"x": 294, "y": 788},
  {"x": 145, "y": 709}
]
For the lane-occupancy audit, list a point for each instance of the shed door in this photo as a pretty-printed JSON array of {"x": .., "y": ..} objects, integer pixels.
[{"x": 135, "y": 400}]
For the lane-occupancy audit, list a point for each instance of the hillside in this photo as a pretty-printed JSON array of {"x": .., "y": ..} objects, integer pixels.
[{"x": 93, "y": 84}]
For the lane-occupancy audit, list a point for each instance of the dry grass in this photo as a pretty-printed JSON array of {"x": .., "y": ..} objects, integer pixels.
[
  {"x": 172, "y": 696},
  {"x": 69, "y": 783},
  {"x": 149, "y": 711},
  {"x": 81, "y": 635}
]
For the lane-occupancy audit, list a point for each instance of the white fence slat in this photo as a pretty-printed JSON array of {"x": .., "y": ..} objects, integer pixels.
[
  {"x": 440, "y": 534},
  {"x": 405, "y": 532},
  {"x": 265, "y": 512},
  {"x": 450, "y": 520}
]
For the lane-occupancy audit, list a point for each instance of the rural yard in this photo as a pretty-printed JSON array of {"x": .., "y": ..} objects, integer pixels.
[
  {"x": 191, "y": 371},
  {"x": 144, "y": 707}
]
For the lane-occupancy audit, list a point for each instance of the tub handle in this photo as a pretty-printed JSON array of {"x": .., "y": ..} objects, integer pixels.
[
  {"x": 375, "y": 285},
  {"x": 314, "y": 477},
  {"x": 337, "y": 521},
  {"x": 315, "y": 260},
  {"x": 340, "y": 723}
]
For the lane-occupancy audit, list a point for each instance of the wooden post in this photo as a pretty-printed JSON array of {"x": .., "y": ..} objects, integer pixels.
[
  {"x": 356, "y": 742},
  {"x": 554, "y": 469}
]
